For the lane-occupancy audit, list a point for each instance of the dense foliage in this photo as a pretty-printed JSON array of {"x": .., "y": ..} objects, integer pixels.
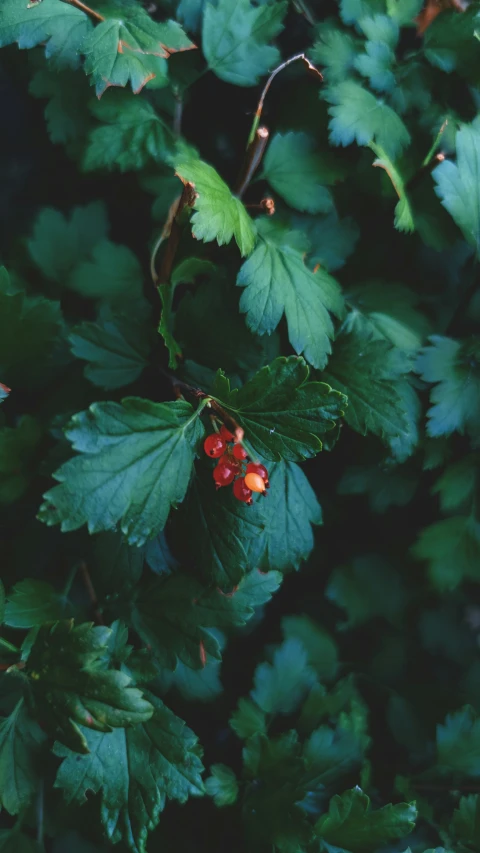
[{"x": 294, "y": 283}]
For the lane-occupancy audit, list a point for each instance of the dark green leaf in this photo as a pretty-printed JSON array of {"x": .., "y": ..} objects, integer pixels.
[
  {"x": 299, "y": 172},
  {"x": 185, "y": 273},
  {"x": 59, "y": 26},
  {"x": 353, "y": 825},
  {"x": 136, "y": 463},
  {"x": 237, "y": 36},
  {"x": 466, "y": 821},
  {"x": 284, "y": 415},
  {"x": 222, "y": 785},
  {"x": 368, "y": 587},
  {"x": 70, "y": 689},
  {"x": 20, "y": 741},
  {"x": 455, "y": 368},
  {"x": 18, "y": 447},
  {"x": 135, "y": 770},
  {"x": 458, "y": 743},
  {"x": 321, "y": 649},
  {"x": 58, "y": 244},
  {"x": 452, "y": 549},
  {"x": 32, "y": 603},
  {"x": 113, "y": 274},
  {"x": 281, "y": 686}
]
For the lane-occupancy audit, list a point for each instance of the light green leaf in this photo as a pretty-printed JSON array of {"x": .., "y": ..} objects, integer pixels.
[
  {"x": 281, "y": 686},
  {"x": 59, "y": 243},
  {"x": 455, "y": 368},
  {"x": 116, "y": 346},
  {"x": 404, "y": 219},
  {"x": 219, "y": 214},
  {"x": 321, "y": 649},
  {"x": 358, "y": 115},
  {"x": 289, "y": 512},
  {"x": 69, "y": 687},
  {"x": 299, "y": 172},
  {"x": 33, "y": 602},
  {"x": 458, "y": 743},
  {"x": 284, "y": 415},
  {"x": 352, "y": 11},
  {"x": 173, "y": 615},
  {"x": 135, "y": 463},
  {"x": 130, "y": 47},
  {"x": 60, "y": 27},
  {"x": 236, "y": 39},
  {"x": 458, "y": 184},
  {"x": 222, "y": 785},
  {"x": 452, "y": 549},
  {"x": 131, "y": 134},
  {"x": 353, "y": 825},
  {"x": 20, "y": 741},
  {"x": 277, "y": 281},
  {"x": 404, "y": 12},
  {"x": 135, "y": 771},
  {"x": 336, "y": 50}
]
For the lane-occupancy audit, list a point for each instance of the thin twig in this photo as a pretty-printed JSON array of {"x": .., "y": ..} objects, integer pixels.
[
  {"x": 424, "y": 169},
  {"x": 266, "y": 205},
  {"x": 258, "y": 112},
  {"x": 193, "y": 391},
  {"x": 86, "y": 9},
  {"x": 171, "y": 231},
  {"x": 91, "y": 593},
  {"x": 253, "y": 158}
]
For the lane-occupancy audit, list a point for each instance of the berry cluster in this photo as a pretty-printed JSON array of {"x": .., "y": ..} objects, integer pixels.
[{"x": 233, "y": 466}]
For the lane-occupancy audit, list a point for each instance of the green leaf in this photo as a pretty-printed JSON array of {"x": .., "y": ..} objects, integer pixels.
[
  {"x": 281, "y": 686},
  {"x": 70, "y": 689},
  {"x": 389, "y": 312},
  {"x": 236, "y": 39},
  {"x": 135, "y": 770},
  {"x": 18, "y": 448},
  {"x": 219, "y": 214},
  {"x": 466, "y": 821},
  {"x": 332, "y": 240},
  {"x": 452, "y": 549},
  {"x": 336, "y": 50},
  {"x": 321, "y": 649},
  {"x": 32, "y": 603},
  {"x": 135, "y": 463},
  {"x": 358, "y": 115},
  {"x": 131, "y": 134},
  {"x": 298, "y": 172},
  {"x": 404, "y": 220},
  {"x": 118, "y": 566},
  {"x": 330, "y": 754},
  {"x": 189, "y": 13},
  {"x": 225, "y": 538},
  {"x": 173, "y": 616},
  {"x": 458, "y": 183},
  {"x": 366, "y": 588},
  {"x": 58, "y": 244},
  {"x": 351, "y": 824},
  {"x": 129, "y": 47},
  {"x": 455, "y": 368},
  {"x": 450, "y": 42},
  {"x": 404, "y": 12},
  {"x": 113, "y": 274},
  {"x": 66, "y": 113},
  {"x": 185, "y": 273},
  {"x": 384, "y": 486},
  {"x": 352, "y": 11},
  {"x": 370, "y": 374},
  {"x": 458, "y": 743},
  {"x": 116, "y": 346},
  {"x": 277, "y": 281},
  {"x": 20, "y": 741},
  {"x": 14, "y": 841},
  {"x": 29, "y": 330},
  {"x": 289, "y": 512},
  {"x": 222, "y": 785},
  {"x": 61, "y": 28},
  {"x": 379, "y": 56},
  {"x": 284, "y": 415},
  {"x": 248, "y": 720}
]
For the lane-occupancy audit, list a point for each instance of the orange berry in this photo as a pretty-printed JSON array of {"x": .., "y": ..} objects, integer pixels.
[{"x": 255, "y": 482}]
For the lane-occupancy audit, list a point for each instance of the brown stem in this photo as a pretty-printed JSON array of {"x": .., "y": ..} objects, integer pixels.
[
  {"x": 91, "y": 593},
  {"x": 424, "y": 170},
  {"x": 225, "y": 416},
  {"x": 171, "y": 231},
  {"x": 266, "y": 205},
  {"x": 258, "y": 113},
  {"x": 86, "y": 9},
  {"x": 253, "y": 158}
]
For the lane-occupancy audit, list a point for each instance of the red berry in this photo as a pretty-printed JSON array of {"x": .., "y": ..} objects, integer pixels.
[
  {"x": 257, "y": 468},
  {"x": 239, "y": 452},
  {"x": 227, "y": 459},
  {"x": 226, "y": 434},
  {"x": 224, "y": 475},
  {"x": 241, "y": 491},
  {"x": 214, "y": 445},
  {"x": 255, "y": 482}
]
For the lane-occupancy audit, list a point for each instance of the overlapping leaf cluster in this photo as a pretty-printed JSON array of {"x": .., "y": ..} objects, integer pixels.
[{"x": 327, "y": 300}]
